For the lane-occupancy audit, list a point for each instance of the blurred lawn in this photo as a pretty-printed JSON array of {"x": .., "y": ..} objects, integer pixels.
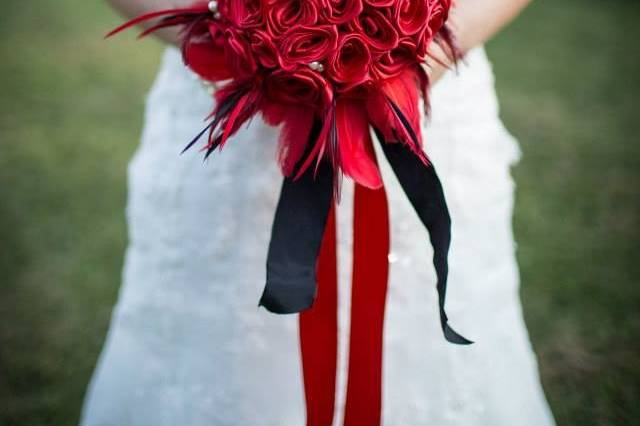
[{"x": 70, "y": 113}]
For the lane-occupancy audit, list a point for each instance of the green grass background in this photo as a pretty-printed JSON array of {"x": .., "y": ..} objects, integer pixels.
[{"x": 568, "y": 77}]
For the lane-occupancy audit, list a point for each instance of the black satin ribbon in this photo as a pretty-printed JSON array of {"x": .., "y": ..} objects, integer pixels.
[
  {"x": 301, "y": 217},
  {"x": 296, "y": 235},
  {"x": 424, "y": 190}
]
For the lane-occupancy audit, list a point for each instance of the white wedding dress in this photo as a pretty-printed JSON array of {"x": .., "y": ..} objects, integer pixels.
[{"x": 188, "y": 345}]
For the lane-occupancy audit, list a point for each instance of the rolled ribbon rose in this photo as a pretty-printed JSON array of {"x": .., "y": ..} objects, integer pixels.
[
  {"x": 349, "y": 64},
  {"x": 305, "y": 44},
  {"x": 282, "y": 15},
  {"x": 340, "y": 11},
  {"x": 302, "y": 87},
  {"x": 377, "y": 29},
  {"x": 412, "y": 15},
  {"x": 239, "y": 54}
]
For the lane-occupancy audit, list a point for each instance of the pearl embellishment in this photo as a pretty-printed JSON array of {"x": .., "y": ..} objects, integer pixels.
[{"x": 316, "y": 66}]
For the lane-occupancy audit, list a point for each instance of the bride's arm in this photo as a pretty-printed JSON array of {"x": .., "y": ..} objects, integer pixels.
[
  {"x": 133, "y": 8},
  {"x": 476, "y": 21}
]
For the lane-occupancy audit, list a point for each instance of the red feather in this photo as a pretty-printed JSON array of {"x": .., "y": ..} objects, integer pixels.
[
  {"x": 423, "y": 77},
  {"x": 354, "y": 143},
  {"x": 206, "y": 60},
  {"x": 195, "y": 10},
  {"x": 169, "y": 21},
  {"x": 403, "y": 91},
  {"x": 317, "y": 151},
  {"x": 445, "y": 38},
  {"x": 232, "y": 123},
  {"x": 394, "y": 111},
  {"x": 294, "y": 137}
]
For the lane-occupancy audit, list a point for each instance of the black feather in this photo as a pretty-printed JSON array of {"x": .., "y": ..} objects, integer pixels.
[
  {"x": 195, "y": 139},
  {"x": 405, "y": 123},
  {"x": 213, "y": 147},
  {"x": 223, "y": 110}
]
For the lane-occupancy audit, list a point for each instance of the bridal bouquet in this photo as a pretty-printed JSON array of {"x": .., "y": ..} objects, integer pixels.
[{"x": 327, "y": 72}]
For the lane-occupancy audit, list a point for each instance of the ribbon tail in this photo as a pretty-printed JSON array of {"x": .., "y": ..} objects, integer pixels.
[
  {"x": 368, "y": 298},
  {"x": 451, "y": 335},
  {"x": 296, "y": 236},
  {"x": 318, "y": 330},
  {"x": 424, "y": 190}
]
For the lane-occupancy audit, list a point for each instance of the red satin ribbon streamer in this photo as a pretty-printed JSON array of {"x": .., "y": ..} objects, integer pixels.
[
  {"x": 319, "y": 334},
  {"x": 319, "y": 325},
  {"x": 368, "y": 297}
]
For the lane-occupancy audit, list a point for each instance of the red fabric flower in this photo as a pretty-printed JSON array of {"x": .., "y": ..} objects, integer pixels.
[
  {"x": 349, "y": 64},
  {"x": 393, "y": 62},
  {"x": 302, "y": 87},
  {"x": 412, "y": 15},
  {"x": 239, "y": 55},
  {"x": 379, "y": 3},
  {"x": 244, "y": 13},
  {"x": 282, "y": 15},
  {"x": 264, "y": 49},
  {"x": 340, "y": 11},
  {"x": 437, "y": 17},
  {"x": 302, "y": 45},
  {"x": 376, "y": 28}
]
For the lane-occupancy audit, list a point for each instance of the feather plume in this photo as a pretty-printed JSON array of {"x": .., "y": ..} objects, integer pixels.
[
  {"x": 197, "y": 137},
  {"x": 405, "y": 128},
  {"x": 232, "y": 110},
  {"x": 232, "y": 123},
  {"x": 393, "y": 109},
  {"x": 445, "y": 38},
  {"x": 294, "y": 137},
  {"x": 354, "y": 143},
  {"x": 187, "y": 12},
  {"x": 317, "y": 151},
  {"x": 424, "y": 84},
  {"x": 169, "y": 21}
]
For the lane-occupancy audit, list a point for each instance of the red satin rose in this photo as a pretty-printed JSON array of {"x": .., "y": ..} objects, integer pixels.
[
  {"x": 244, "y": 13},
  {"x": 304, "y": 86},
  {"x": 379, "y": 3},
  {"x": 446, "y": 4},
  {"x": 437, "y": 17},
  {"x": 411, "y": 15},
  {"x": 340, "y": 11},
  {"x": 302, "y": 45},
  {"x": 282, "y": 15},
  {"x": 377, "y": 29},
  {"x": 349, "y": 65},
  {"x": 392, "y": 63},
  {"x": 239, "y": 55},
  {"x": 264, "y": 49}
]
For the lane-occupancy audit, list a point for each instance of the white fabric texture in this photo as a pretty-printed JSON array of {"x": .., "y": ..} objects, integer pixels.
[{"x": 188, "y": 344}]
